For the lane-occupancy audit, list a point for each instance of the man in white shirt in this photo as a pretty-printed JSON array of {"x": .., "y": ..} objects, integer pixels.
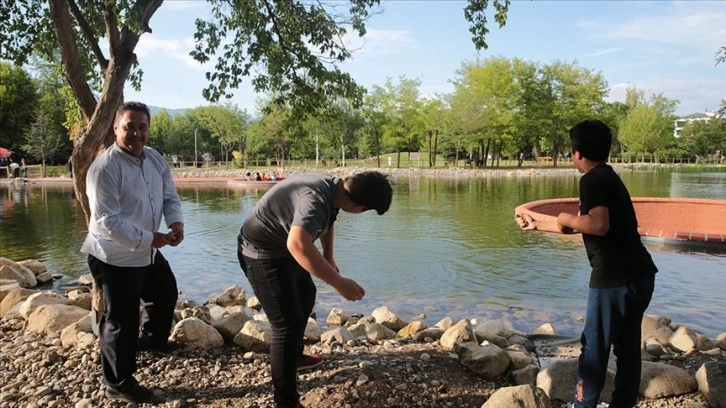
[{"x": 130, "y": 188}]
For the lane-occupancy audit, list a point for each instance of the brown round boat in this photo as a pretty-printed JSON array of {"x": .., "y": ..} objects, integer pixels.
[{"x": 680, "y": 219}]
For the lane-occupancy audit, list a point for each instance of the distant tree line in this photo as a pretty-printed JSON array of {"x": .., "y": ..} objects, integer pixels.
[{"x": 500, "y": 108}]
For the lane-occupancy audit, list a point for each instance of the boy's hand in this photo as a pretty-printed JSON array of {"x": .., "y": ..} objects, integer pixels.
[
  {"x": 526, "y": 222},
  {"x": 350, "y": 289}
]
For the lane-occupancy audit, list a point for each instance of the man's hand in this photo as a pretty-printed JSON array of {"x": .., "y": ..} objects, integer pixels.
[
  {"x": 160, "y": 240},
  {"x": 176, "y": 235},
  {"x": 350, "y": 289}
]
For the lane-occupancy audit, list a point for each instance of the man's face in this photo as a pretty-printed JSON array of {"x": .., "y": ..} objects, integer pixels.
[{"x": 132, "y": 132}]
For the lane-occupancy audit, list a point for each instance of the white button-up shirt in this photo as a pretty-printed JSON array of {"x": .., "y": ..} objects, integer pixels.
[{"x": 127, "y": 197}]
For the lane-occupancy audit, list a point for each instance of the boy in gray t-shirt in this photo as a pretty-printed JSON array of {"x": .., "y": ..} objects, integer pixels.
[{"x": 277, "y": 252}]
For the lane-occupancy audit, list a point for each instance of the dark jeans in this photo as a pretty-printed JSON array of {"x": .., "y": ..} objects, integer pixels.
[
  {"x": 123, "y": 288},
  {"x": 287, "y": 294},
  {"x": 614, "y": 317}
]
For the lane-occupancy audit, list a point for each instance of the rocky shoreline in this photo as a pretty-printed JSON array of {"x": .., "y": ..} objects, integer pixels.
[{"x": 49, "y": 357}]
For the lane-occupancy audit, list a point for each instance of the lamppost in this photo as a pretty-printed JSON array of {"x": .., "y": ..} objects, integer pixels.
[
  {"x": 317, "y": 151},
  {"x": 195, "y": 147}
]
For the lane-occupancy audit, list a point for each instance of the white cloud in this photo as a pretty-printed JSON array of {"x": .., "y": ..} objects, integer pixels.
[
  {"x": 600, "y": 53},
  {"x": 379, "y": 43},
  {"x": 681, "y": 26},
  {"x": 691, "y": 93},
  {"x": 178, "y": 49}
]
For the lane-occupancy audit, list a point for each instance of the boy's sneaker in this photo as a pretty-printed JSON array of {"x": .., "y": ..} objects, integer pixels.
[
  {"x": 308, "y": 362},
  {"x": 131, "y": 393},
  {"x": 600, "y": 405}
]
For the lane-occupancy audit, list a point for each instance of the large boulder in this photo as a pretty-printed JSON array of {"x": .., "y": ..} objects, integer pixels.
[
  {"x": 659, "y": 380},
  {"x": 79, "y": 334},
  {"x": 488, "y": 361},
  {"x": 559, "y": 378},
  {"x": 228, "y": 326},
  {"x": 51, "y": 318},
  {"x": 336, "y": 317},
  {"x": 14, "y": 297},
  {"x": 711, "y": 378},
  {"x": 254, "y": 336},
  {"x": 656, "y": 327},
  {"x": 388, "y": 318},
  {"x": 194, "y": 333},
  {"x": 232, "y": 296},
  {"x": 337, "y": 334},
  {"x": 38, "y": 299},
  {"x": 37, "y": 267},
  {"x": 459, "y": 333},
  {"x": 520, "y": 396},
  {"x": 10, "y": 270}
]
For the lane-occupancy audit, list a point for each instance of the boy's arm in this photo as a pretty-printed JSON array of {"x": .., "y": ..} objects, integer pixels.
[
  {"x": 301, "y": 246},
  {"x": 326, "y": 241},
  {"x": 527, "y": 223},
  {"x": 597, "y": 222}
]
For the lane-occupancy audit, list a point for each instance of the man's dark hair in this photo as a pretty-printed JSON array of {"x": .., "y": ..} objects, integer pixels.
[
  {"x": 592, "y": 138},
  {"x": 371, "y": 189},
  {"x": 132, "y": 106}
]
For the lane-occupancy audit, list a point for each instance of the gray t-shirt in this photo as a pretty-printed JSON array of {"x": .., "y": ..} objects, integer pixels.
[{"x": 305, "y": 200}]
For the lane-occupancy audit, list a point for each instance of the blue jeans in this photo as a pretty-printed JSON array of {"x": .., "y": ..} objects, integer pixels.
[
  {"x": 287, "y": 293},
  {"x": 614, "y": 317}
]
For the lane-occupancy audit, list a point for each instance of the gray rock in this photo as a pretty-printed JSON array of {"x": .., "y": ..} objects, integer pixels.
[
  {"x": 388, "y": 318},
  {"x": 520, "y": 396},
  {"x": 656, "y": 327},
  {"x": 659, "y": 380},
  {"x": 458, "y": 333},
  {"x": 559, "y": 378},
  {"x": 228, "y": 326},
  {"x": 10, "y": 270},
  {"x": 488, "y": 361},
  {"x": 526, "y": 375},
  {"x": 194, "y": 333},
  {"x": 14, "y": 297},
  {"x": 711, "y": 379},
  {"x": 51, "y": 318}
]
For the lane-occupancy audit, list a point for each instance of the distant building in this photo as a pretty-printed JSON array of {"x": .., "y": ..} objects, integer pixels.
[{"x": 694, "y": 117}]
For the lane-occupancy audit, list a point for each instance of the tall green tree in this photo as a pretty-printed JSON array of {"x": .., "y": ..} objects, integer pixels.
[
  {"x": 44, "y": 140},
  {"x": 642, "y": 131},
  {"x": 18, "y": 103},
  {"x": 573, "y": 94},
  {"x": 160, "y": 129}
]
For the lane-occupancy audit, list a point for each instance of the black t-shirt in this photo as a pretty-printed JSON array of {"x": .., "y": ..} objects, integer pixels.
[{"x": 618, "y": 257}]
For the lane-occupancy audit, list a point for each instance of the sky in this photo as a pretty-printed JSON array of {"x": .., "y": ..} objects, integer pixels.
[{"x": 659, "y": 47}]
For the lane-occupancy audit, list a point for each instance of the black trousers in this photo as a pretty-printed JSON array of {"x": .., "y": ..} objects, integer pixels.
[
  {"x": 287, "y": 294},
  {"x": 123, "y": 288}
]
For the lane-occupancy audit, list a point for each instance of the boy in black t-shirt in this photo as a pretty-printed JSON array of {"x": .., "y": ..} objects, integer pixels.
[{"x": 623, "y": 273}]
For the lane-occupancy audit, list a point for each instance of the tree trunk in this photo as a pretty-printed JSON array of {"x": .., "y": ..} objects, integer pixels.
[
  {"x": 431, "y": 159},
  {"x": 436, "y": 146}
]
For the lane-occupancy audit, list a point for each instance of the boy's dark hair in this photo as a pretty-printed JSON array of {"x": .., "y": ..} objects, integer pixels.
[
  {"x": 133, "y": 106},
  {"x": 592, "y": 138},
  {"x": 371, "y": 189}
]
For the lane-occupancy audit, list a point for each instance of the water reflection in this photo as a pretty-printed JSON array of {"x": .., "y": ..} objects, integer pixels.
[{"x": 447, "y": 246}]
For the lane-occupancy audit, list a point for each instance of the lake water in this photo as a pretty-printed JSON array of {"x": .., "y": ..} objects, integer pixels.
[{"x": 448, "y": 247}]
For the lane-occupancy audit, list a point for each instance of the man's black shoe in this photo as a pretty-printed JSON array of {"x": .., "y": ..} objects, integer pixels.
[
  {"x": 131, "y": 393},
  {"x": 166, "y": 348}
]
